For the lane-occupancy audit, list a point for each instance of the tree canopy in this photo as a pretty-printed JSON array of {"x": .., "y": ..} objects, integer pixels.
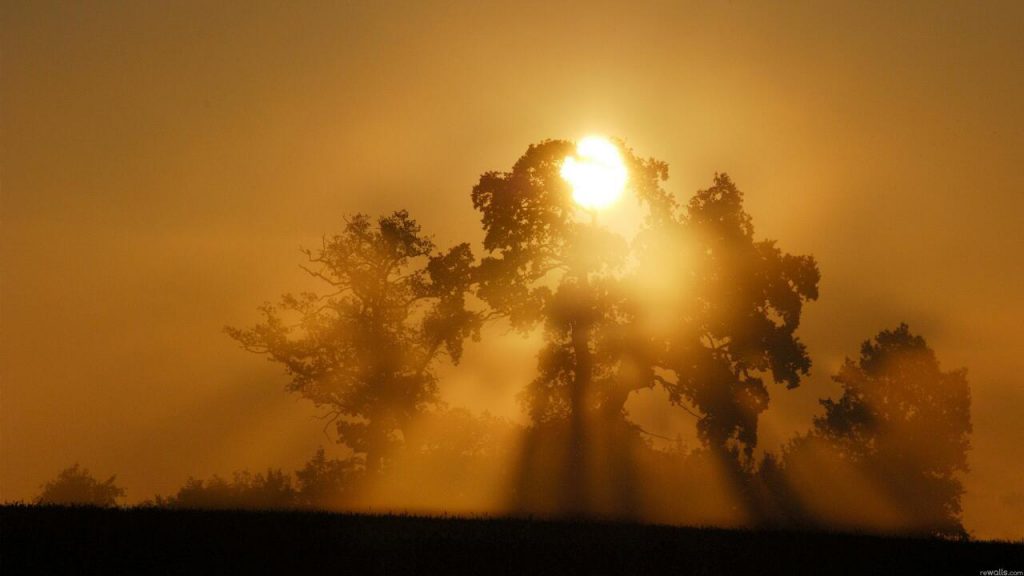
[
  {"x": 693, "y": 294},
  {"x": 366, "y": 348},
  {"x": 906, "y": 424},
  {"x": 75, "y": 486},
  {"x": 738, "y": 302},
  {"x": 694, "y": 302},
  {"x": 545, "y": 264}
]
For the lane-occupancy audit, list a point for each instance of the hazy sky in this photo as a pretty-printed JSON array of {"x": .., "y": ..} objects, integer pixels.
[{"x": 163, "y": 162}]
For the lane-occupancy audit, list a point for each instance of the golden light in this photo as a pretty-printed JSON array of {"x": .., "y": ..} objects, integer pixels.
[{"x": 596, "y": 173}]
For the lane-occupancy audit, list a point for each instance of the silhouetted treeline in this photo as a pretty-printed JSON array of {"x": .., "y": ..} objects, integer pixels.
[
  {"x": 269, "y": 490},
  {"x": 459, "y": 464},
  {"x": 693, "y": 303},
  {"x": 882, "y": 458}
]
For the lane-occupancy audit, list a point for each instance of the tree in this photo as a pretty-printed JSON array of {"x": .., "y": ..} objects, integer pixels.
[
  {"x": 74, "y": 486},
  {"x": 546, "y": 266},
  {"x": 905, "y": 425},
  {"x": 736, "y": 302},
  {"x": 739, "y": 304},
  {"x": 324, "y": 483},
  {"x": 244, "y": 491},
  {"x": 693, "y": 303},
  {"x": 366, "y": 349}
]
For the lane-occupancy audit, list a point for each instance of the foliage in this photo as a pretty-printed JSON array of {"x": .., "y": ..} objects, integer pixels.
[
  {"x": 244, "y": 491},
  {"x": 735, "y": 302},
  {"x": 544, "y": 266},
  {"x": 365, "y": 350},
  {"x": 326, "y": 482},
  {"x": 693, "y": 303},
  {"x": 454, "y": 459},
  {"x": 905, "y": 426},
  {"x": 737, "y": 305},
  {"x": 75, "y": 486}
]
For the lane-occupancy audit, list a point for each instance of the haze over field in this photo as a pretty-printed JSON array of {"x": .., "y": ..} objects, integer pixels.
[{"x": 163, "y": 164}]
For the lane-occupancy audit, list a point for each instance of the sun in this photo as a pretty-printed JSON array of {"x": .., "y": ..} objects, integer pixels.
[{"x": 596, "y": 173}]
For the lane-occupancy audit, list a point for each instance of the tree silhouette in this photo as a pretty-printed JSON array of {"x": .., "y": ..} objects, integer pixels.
[
  {"x": 366, "y": 349},
  {"x": 740, "y": 304},
  {"x": 546, "y": 264},
  {"x": 272, "y": 490},
  {"x": 694, "y": 302},
  {"x": 325, "y": 483},
  {"x": 906, "y": 425},
  {"x": 74, "y": 486},
  {"x": 736, "y": 303}
]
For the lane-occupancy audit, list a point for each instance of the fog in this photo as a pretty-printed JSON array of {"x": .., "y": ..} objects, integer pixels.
[{"x": 163, "y": 164}]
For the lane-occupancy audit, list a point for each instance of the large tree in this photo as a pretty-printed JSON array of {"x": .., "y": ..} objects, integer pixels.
[
  {"x": 366, "y": 348},
  {"x": 905, "y": 425},
  {"x": 548, "y": 264},
  {"x": 736, "y": 306},
  {"x": 694, "y": 302},
  {"x": 723, "y": 308}
]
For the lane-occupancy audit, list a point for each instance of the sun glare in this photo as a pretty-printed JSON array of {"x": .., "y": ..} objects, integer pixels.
[{"x": 596, "y": 173}]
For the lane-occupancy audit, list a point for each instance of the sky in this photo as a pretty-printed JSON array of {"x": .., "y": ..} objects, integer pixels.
[{"x": 162, "y": 164}]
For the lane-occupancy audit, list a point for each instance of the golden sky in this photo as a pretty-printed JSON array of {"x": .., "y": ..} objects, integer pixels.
[{"x": 163, "y": 162}]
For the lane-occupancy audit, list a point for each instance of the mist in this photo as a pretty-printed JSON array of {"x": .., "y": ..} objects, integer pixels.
[{"x": 163, "y": 165}]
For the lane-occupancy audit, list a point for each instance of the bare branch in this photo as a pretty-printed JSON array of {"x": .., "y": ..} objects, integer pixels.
[
  {"x": 668, "y": 384},
  {"x": 654, "y": 435}
]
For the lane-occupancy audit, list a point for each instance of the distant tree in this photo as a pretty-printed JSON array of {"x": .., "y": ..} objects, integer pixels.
[
  {"x": 457, "y": 462},
  {"x": 367, "y": 347},
  {"x": 74, "y": 486},
  {"x": 245, "y": 490},
  {"x": 905, "y": 425},
  {"x": 326, "y": 482}
]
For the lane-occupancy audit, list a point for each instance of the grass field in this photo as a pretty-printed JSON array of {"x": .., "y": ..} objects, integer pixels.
[{"x": 54, "y": 540}]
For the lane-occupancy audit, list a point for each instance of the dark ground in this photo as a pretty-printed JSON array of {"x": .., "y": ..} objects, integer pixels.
[{"x": 53, "y": 540}]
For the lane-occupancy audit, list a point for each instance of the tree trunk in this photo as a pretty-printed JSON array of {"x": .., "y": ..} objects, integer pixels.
[
  {"x": 576, "y": 485},
  {"x": 738, "y": 480}
]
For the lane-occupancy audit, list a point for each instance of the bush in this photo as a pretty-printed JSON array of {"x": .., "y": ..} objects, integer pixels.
[{"x": 74, "y": 486}]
